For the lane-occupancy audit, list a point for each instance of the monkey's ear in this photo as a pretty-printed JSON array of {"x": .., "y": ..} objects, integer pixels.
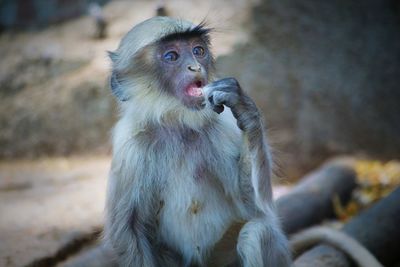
[
  {"x": 117, "y": 88},
  {"x": 112, "y": 56}
]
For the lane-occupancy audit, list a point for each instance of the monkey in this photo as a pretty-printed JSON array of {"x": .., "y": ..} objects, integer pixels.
[{"x": 190, "y": 177}]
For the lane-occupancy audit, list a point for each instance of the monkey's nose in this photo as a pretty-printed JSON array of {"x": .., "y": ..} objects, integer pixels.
[{"x": 196, "y": 68}]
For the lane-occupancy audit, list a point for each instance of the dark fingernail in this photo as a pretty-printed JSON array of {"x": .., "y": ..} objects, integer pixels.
[{"x": 218, "y": 109}]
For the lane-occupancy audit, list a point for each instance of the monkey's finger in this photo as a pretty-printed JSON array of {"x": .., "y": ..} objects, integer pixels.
[
  {"x": 225, "y": 85},
  {"x": 217, "y": 108},
  {"x": 224, "y": 98}
]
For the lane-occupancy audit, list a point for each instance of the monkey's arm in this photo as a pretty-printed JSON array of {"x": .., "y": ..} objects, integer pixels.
[
  {"x": 125, "y": 229},
  {"x": 228, "y": 92},
  {"x": 261, "y": 242}
]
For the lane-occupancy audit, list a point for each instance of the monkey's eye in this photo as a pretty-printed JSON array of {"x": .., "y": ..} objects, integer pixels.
[
  {"x": 171, "y": 56},
  {"x": 198, "y": 51}
]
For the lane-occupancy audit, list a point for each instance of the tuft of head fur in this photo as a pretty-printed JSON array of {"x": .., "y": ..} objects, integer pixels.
[{"x": 196, "y": 30}]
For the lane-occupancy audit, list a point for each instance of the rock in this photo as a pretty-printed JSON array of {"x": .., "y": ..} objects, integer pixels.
[{"x": 322, "y": 79}]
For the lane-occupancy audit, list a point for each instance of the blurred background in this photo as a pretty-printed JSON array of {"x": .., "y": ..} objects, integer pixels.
[{"x": 325, "y": 74}]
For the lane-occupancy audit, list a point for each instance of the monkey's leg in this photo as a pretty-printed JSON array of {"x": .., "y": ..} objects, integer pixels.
[
  {"x": 262, "y": 243},
  {"x": 126, "y": 228}
]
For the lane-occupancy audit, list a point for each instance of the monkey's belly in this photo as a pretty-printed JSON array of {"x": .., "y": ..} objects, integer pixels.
[{"x": 193, "y": 219}]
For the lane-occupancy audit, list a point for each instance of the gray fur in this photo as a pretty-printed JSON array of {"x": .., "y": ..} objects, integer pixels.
[
  {"x": 177, "y": 165},
  {"x": 181, "y": 178}
]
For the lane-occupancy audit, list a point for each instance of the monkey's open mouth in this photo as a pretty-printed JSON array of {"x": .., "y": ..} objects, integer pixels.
[{"x": 194, "y": 89}]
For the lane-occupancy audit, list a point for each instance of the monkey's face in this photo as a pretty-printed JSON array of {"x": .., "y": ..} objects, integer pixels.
[{"x": 183, "y": 66}]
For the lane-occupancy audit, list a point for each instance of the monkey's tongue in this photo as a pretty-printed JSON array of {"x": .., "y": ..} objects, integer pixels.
[{"x": 194, "y": 90}]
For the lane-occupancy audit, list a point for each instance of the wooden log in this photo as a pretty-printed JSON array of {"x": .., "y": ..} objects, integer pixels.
[
  {"x": 311, "y": 201},
  {"x": 377, "y": 228},
  {"x": 324, "y": 256}
]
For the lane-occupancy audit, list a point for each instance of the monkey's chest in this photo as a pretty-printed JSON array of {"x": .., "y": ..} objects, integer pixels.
[{"x": 194, "y": 216}]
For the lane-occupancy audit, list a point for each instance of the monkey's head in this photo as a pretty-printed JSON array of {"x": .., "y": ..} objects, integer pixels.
[{"x": 163, "y": 63}]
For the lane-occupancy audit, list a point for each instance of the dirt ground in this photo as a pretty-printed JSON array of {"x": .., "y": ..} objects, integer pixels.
[{"x": 46, "y": 203}]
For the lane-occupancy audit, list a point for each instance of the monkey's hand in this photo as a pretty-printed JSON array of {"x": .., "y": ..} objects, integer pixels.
[{"x": 228, "y": 92}]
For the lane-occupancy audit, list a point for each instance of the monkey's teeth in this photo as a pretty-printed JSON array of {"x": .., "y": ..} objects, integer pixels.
[
  {"x": 195, "y": 91},
  {"x": 198, "y": 92}
]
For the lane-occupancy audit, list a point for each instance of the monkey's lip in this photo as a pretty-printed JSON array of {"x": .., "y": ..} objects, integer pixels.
[{"x": 195, "y": 89}]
